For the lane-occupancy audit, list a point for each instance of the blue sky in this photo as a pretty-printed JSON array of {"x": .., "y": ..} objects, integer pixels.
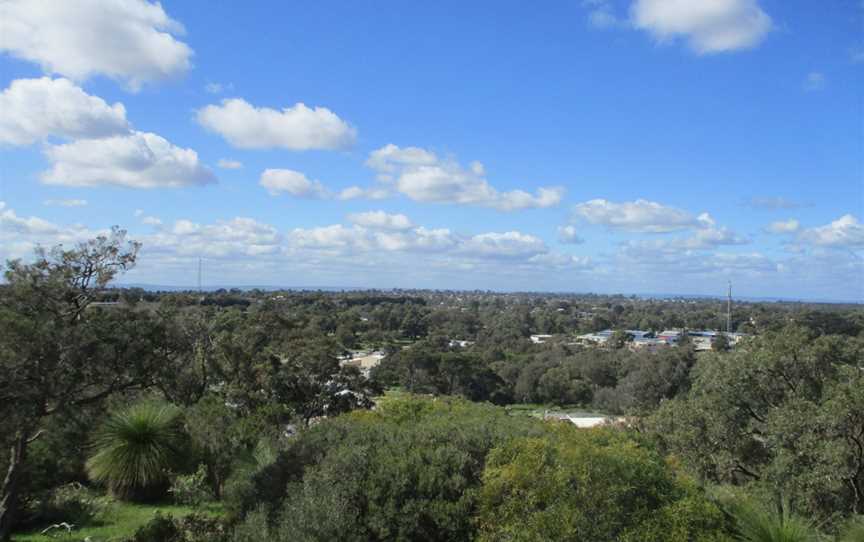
[{"x": 647, "y": 146}]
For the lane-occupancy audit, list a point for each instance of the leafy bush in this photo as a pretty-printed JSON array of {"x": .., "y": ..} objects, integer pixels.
[
  {"x": 135, "y": 450},
  {"x": 75, "y": 504},
  {"x": 254, "y": 529},
  {"x": 191, "y": 528},
  {"x": 191, "y": 489},
  {"x": 408, "y": 471},
  {"x": 596, "y": 484}
]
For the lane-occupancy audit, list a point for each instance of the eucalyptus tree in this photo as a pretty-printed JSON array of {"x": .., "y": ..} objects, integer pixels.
[{"x": 56, "y": 351}]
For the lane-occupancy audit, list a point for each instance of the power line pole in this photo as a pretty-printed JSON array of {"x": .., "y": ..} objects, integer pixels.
[
  {"x": 199, "y": 275},
  {"x": 729, "y": 309}
]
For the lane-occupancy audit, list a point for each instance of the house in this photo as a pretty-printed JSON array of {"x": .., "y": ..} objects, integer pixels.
[
  {"x": 671, "y": 336},
  {"x": 364, "y": 361},
  {"x": 583, "y": 422},
  {"x": 540, "y": 339}
]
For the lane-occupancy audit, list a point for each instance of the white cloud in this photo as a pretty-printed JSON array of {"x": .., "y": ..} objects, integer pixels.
[
  {"x": 640, "y": 216},
  {"x": 511, "y": 244},
  {"x": 239, "y": 236},
  {"x": 423, "y": 176},
  {"x": 296, "y": 128},
  {"x": 553, "y": 260},
  {"x": 34, "y": 109},
  {"x": 127, "y": 40},
  {"x": 783, "y": 226},
  {"x": 389, "y": 158},
  {"x": 708, "y": 26},
  {"x": 845, "y": 232},
  {"x": 136, "y": 160},
  {"x": 710, "y": 237},
  {"x": 815, "y": 81},
  {"x": 151, "y": 221},
  {"x": 224, "y": 163},
  {"x": 277, "y": 181},
  {"x": 19, "y": 236},
  {"x": 381, "y": 221},
  {"x": 569, "y": 235},
  {"x": 65, "y": 202}
]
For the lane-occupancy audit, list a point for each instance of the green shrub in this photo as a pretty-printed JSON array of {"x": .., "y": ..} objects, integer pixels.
[
  {"x": 191, "y": 489},
  {"x": 135, "y": 449},
  {"x": 589, "y": 484},
  {"x": 408, "y": 471},
  {"x": 191, "y": 528},
  {"x": 253, "y": 529},
  {"x": 75, "y": 504}
]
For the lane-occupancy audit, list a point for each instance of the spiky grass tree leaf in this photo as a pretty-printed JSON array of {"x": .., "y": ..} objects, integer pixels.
[
  {"x": 756, "y": 524},
  {"x": 135, "y": 448}
]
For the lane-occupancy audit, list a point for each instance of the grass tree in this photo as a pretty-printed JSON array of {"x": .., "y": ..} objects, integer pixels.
[
  {"x": 135, "y": 450},
  {"x": 755, "y": 523}
]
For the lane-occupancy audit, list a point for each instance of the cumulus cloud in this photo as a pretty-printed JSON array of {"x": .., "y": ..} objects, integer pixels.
[
  {"x": 277, "y": 181},
  {"x": 568, "y": 234},
  {"x": 783, "y": 226},
  {"x": 511, "y": 244},
  {"x": 239, "y": 236},
  {"x": 34, "y": 109},
  {"x": 845, "y": 232},
  {"x": 423, "y": 176},
  {"x": 713, "y": 26},
  {"x": 65, "y": 202},
  {"x": 136, "y": 160},
  {"x": 128, "y": 40},
  {"x": 296, "y": 128},
  {"x": 670, "y": 260},
  {"x": 224, "y": 163},
  {"x": 20, "y": 235},
  {"x": 710, "y": 236},
  {"x": 640, "y": 216},
  {"x": 381, "y": 220}
]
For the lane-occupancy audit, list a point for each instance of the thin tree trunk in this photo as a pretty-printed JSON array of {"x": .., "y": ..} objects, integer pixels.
[{"x": 9, "y": 490}]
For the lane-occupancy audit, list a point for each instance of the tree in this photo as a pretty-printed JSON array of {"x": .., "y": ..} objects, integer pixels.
[
  {"x": 720, "y": 343},
  {"x": 407, "y": 471},
  {"x": 619, "y": 339},
  {"x": 57, "y": 355},
  {"x": 596, "y": 484},
  {"x": 136, "y": 448},
  {"x": 784, "y": 412}
]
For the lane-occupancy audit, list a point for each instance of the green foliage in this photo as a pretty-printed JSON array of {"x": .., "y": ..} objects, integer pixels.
[
  {"x": 74, "y": 504},
  {"x": 588, "y": 485},
  {"x": 755, "y": 523},
  {"x": 136, "y": 448},
  {"x": 784, "y": 414},
  {"x": 408, "y": 471},
  {"x": 852, "y": 531},
  {"x": 254, "y": 529},
  {"x": 191, "y": 489},
  {"x": 190, "y": 528}
]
